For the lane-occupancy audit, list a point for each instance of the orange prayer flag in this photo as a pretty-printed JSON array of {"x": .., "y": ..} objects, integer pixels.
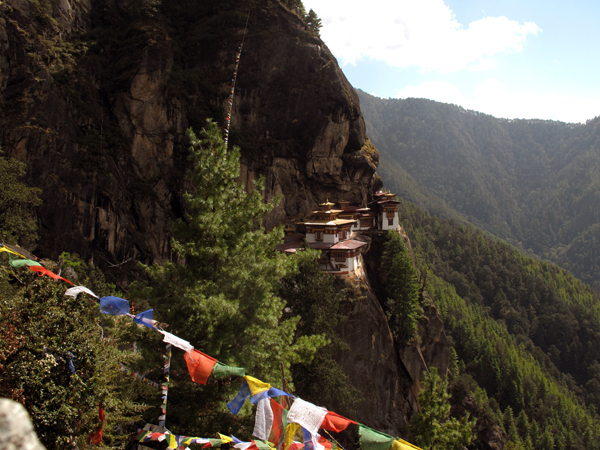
[
  {"x": 335, "y": 422},
  {"x": 96, "y": 437},
  {"x": 199, "y": 365},
  {"x": 43, "y": 271}
]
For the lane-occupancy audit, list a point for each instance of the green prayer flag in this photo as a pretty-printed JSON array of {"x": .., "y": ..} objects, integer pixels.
[
  {"x": 374, "y": 440},
  {"x": 223, "y": 370},
  {"x": 215, "y": 442},
  {"x": 262, "y": 445},
  {"x": 23, "y": 263}
]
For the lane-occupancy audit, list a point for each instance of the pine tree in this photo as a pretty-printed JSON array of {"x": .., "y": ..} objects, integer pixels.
[
  {"x": 313, "y": 22},
  {"x": 220, "y": 293},
  {"x": 433, "y": 428},
  {"x": 401, "y": 288},
  {"x": 16, "y": 199}
]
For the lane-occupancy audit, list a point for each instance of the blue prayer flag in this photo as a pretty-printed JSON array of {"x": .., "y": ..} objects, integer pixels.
[
  {"x": 236, "y": 404},
  {"x": 145, "y": 318},
  {"x": 114, "y": 306}
]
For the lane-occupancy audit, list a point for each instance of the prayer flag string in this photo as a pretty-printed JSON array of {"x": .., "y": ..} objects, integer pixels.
[
  {"x": 165, "y": 387},
  {"x": 310, "y": 417},
  {"x": 233, "y": 81}
]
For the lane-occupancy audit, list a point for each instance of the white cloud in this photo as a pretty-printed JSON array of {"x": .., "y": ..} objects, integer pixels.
[
  {"x": 494, "y": 98},
  {"x": 484, "y": 64},
  {"x": 408, "y": 33}
]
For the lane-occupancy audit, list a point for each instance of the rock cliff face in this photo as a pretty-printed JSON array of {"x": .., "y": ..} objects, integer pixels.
[
  {"x": 388, "y": 375},
  {"x": 97, "y": 96}
]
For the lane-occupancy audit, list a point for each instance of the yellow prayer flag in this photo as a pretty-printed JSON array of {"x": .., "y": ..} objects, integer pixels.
[
  {"x": 400, "y": 444},
  {"x": 8, "y": 250},
  {"x": 172, "y": 440},
  {"x": 224, "y": 438},
  {"x": 290, "y": 432},
  {"x": 256, "y": 386}
]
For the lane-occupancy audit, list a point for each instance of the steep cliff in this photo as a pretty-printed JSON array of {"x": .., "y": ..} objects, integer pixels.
[
  {"x": 97, "y": 96},
  {"x": 387, "y": 374}
]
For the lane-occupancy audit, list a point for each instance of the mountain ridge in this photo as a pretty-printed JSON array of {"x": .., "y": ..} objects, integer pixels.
[{"x": 532, "y": 183}]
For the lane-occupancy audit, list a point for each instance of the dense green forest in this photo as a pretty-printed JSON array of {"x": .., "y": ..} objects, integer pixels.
[
  {"x": 533, "y": 183},
  {"x": 525, "y": 333}
]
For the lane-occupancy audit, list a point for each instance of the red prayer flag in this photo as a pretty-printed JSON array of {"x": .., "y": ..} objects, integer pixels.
[
  {"x": 325, "y": 443},
  {"x": 277, "y": 429},
  {"x": 335, "y": 422},
  {"x": 96, "y": 438},
  {"x": 199, "y": 365}
]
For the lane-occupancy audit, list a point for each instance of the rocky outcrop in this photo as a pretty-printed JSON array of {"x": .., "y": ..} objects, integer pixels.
[
  {"x": 375, "y": 366},
  {"x": 387, "y": 375},
  {"x": 16, "y": 430},
  {"x": 97, "y": 96}
]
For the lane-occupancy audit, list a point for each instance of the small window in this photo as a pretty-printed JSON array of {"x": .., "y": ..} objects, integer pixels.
[
  {"x": 339, "y": 256},
  {"x": 318, "y": 235},
  {"x": 342, "y": 235},
  {"x": 391, "y": 222}
]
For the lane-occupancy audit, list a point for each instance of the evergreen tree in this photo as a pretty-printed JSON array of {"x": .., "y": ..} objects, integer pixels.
[
  {"x": 433, "y": 428},
  {"x": 317, "y": 298},
  {"x": 401, "y": 289},
  {"x": 296, "y": 6},
  {"x": 313, "y": 22},
  {"x": 220, "y": 292},
  {"x": 16, "y": 199},
  {"x": 43, "y": 332}
]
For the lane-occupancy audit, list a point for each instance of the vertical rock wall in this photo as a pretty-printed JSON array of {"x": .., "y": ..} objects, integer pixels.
[{"x": 97, "y": 99}]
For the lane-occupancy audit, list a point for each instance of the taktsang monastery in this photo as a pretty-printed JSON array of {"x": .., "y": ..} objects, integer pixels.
[{"x": 331, "y": 228}]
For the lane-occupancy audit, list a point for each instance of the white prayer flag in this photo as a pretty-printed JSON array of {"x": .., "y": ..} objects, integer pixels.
[
  {"x": 307, "y": 415},
  {"x": 264, "y": 419},
  {"x": 72, "y": 292},
  {"x": 177, "y": 342}
]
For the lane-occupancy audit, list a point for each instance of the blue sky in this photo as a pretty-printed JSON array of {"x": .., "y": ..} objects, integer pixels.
[{"x": 513, "y": 59}]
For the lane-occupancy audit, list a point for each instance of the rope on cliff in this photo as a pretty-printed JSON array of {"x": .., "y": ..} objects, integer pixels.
[{"x": 233, "y": 80}]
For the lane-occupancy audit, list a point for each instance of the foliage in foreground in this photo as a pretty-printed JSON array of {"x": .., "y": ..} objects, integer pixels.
[
  {"x": 317, "y": 298},
  {"x": 221, "y": 291},
  {"x": 40, "y": 328},
  {"x": 433, "y": 428}
]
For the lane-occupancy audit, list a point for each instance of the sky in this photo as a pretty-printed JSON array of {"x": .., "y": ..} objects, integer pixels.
[{"x": 516, "y": 59}]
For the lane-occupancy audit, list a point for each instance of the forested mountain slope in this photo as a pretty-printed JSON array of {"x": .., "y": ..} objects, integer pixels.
[
  {"x": 525, "y": 333},
  {"x": 534, "y": 183}
]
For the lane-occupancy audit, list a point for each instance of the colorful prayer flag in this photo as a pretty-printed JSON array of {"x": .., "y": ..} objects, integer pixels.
[
  {"x": 23, "y": 262},
  {"x": 335, "y": 422},
  {"x": 96, "y": 437},
  {"x": 373, "y": 440},
  {"x": 199, "y": 365},
  {"x": 115, "y": 306},
  {"x": 306, "y": 414},
  {"x": 279, "y": 423},
  {"x": 145, "y": 318},
  {"x": 43, "y": 271},
  {"x": 74, "y": 291},
  {"x": 223, "y": 370}
]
